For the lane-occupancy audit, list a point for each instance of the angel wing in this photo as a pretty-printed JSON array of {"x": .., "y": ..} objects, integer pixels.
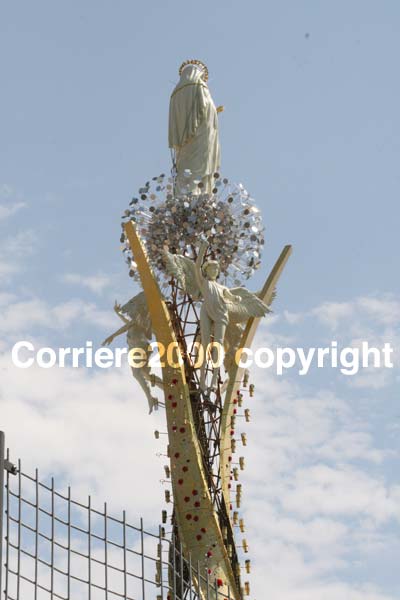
[
  {"x": 238, "y": 315},
  {"x": 137, "y": 310},
  {"x": 183, "y": 269},
  {"x": 243, "y": 304}
]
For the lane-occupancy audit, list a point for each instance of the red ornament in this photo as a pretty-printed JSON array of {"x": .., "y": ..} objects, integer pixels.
[
  {"x": 197, "y": 504},
  {"x": 182, "y": 430},
  {"x": 220, "y": 583},
  {"x": 174, "y": 404},
  {"x": 198, "y": 537},
  {"x": 187, "y": 499},
  {"x": 195, "y": 493},
  {"x": 177, "y": 455},
  {"x": 188, "y": 516},
  {"x": 180, "y": 481}
]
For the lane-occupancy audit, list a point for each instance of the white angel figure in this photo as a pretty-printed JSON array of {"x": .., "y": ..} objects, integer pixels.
[
  {"x": 221, "y": 307},
  {"x": 139, "y": 333}
]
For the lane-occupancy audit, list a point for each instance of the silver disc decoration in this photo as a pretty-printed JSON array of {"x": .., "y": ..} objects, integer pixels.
[{"x": 227, "y": 217}]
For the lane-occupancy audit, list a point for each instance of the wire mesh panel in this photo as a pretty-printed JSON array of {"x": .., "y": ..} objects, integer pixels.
[{"x": 56, "y": 547}]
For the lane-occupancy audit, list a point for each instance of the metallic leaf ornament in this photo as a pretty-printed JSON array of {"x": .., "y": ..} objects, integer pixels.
[{"x": 227, "y": 217}]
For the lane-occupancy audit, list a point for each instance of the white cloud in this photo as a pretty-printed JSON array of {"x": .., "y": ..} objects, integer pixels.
[
  {"x": 6, "y": 270},
  {"x": 316, "y": 500},
  {"x": 333, "y": 313},
  {"x": 9, "y": 204},
  {"x": 384, "y": 310},
  {"x": 8, "y": 211},
  {"x": 6, "y": 298},
  {"x": 340, "y": 490},
  {"x": 292, "y": 317},
  {"x": 357, "y": 445},
  {"x": 14, "y": 250},
  {"x": 374, "y": 319},
  {"x": 28, "y": 315},
  {"x": 95, "y": 283},
  {"x": 371, "y": 378},
  {"x": 21, "y": 244},
  {"x": 369, "y": 310}
]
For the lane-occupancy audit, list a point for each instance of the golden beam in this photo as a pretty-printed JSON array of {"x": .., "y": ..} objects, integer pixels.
[
  {"x": 235, "y": 376},
  {"x": 196, "y": 518}
]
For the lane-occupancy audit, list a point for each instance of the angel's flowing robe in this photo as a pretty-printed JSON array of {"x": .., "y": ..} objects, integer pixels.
[
  {"x": 193, "y": 131},
  {"x": 214, "y": 304}
]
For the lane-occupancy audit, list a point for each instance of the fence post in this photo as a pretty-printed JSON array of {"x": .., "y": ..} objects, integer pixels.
[
  {"x": 142, "y": 553},
  {"x": 2, "y": 466}
]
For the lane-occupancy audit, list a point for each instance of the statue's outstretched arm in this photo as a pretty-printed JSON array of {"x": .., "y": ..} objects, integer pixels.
[
  {"x": 198, "y": 264},
  {"x": 202, "y": 252},
  {"x": 123, "y": 319},
  {"x": 119, "y": 331}
]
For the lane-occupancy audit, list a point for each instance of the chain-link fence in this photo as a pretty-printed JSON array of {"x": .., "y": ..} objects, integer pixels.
[{"x": 56, "y": 547}]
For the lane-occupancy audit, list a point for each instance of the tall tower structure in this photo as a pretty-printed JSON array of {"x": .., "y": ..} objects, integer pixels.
[{"x": 192, "y": 240}]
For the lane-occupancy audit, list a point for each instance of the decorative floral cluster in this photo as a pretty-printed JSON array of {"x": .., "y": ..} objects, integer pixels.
[{"x": 227, "y": 217}]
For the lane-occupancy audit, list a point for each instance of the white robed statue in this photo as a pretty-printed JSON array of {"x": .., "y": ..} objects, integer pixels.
[
  {"x": 193, "y": 129},
  {"x": 138, "y": 331},
  {"x": 222, "y": 308}
]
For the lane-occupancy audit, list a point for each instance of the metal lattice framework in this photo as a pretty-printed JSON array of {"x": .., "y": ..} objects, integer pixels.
[
  {"x": 200, "y": 427},
  {"x": 56, "y": 547},
  {"x": 207, "y": 410}
]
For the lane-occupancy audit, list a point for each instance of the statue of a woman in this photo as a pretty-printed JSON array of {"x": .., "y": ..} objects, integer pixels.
[{"x": 193, "y": 129}]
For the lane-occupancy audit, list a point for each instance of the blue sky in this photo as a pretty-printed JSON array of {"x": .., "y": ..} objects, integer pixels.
[{"x": 311, "y": 127}]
